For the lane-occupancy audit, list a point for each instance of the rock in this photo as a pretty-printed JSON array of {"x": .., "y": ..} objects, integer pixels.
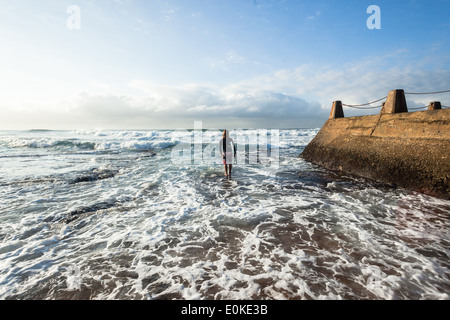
[{"x": 411, "y": 150}]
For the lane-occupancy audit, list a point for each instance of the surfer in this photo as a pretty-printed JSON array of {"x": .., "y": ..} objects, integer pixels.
[{"x": 227, "y": 150}]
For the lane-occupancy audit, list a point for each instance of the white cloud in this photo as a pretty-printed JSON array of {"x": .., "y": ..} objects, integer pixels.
[
  {"x": 316, "y": 15},
  {"x": 299, "y": 97},
  {"x": 121, "y": 2},
  {"x": 231, "y": 59},
  {"x": 356, "y": 83}
]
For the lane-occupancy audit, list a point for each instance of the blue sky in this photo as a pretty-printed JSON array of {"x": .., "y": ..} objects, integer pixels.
[{"x": 142, "y": 64}]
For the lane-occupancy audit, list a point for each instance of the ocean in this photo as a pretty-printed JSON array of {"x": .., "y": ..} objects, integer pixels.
[{"x": 118, "y": 215}]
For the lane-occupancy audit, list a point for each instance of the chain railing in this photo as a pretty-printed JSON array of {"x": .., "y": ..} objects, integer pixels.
[{"x": 364, "y": 106}]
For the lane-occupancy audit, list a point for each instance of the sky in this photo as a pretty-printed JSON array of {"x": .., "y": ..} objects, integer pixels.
[{"x": 151, "y": 64}]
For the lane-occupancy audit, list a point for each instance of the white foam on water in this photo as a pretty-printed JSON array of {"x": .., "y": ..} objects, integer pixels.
[{"x": 152, "y": 228}]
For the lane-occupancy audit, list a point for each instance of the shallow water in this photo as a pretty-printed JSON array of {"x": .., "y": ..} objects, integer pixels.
[{"x": 112, "y": 215}]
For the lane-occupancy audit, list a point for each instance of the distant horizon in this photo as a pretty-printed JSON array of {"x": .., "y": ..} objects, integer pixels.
[
  {"x": 251, "y": 64},
  {"x": 153, "y": 129}
]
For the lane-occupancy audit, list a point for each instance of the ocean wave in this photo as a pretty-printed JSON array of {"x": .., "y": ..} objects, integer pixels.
[
  {"x": 155, "y": 229},
  {"x": 148, "y": 140},
  {"x": 71, "y": 144},
  {"x": 46, "y": 143}
]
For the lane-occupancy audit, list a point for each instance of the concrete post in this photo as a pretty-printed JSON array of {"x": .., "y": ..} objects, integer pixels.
[
  {"x": 395, "y": 102},
  {"x": 336, "y": 110},
  {"x": 436, "y": 105}
]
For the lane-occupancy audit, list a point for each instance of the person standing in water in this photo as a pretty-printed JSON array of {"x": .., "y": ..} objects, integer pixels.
[{"x": 227, "y": 150}]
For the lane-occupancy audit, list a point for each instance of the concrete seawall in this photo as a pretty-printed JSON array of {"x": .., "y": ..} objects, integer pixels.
[{"x": 411, "y": 150}]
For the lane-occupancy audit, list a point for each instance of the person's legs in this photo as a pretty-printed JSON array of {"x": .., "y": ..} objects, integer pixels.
[
  {"x": 230, "y": 167},
  {"x": 226, "y": 170}
]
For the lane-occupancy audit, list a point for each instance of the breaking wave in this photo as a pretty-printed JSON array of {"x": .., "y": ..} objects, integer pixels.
[{"x": 88, "y": 224}]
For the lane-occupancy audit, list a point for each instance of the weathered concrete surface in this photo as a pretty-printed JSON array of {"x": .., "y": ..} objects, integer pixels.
[
  {"x": 411, "y": 150},
  {"x": 435, "y": 105},
  {"x": 336, "y": 110},
  {"x": 395, "y": 102}
]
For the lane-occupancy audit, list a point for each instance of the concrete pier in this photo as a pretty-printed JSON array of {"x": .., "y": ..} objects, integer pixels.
[
  {"x": 436, "y": 105},
  {"x": 410, "y": 150},
  {"x": 395, "y": 102},
  {"x": 336, "y": 110}
]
